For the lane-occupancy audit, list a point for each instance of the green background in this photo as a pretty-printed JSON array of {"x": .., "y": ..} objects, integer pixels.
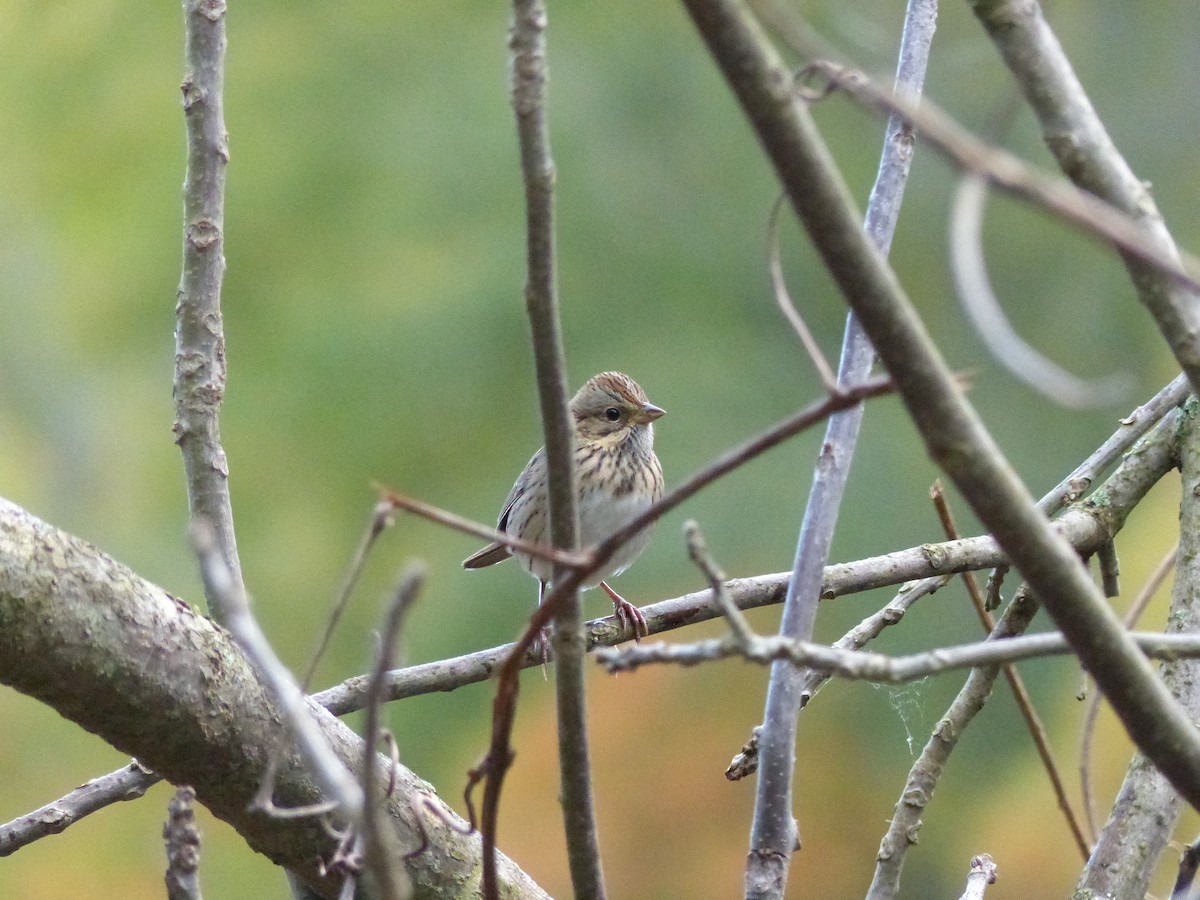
[{"x": 376, "y": 333}]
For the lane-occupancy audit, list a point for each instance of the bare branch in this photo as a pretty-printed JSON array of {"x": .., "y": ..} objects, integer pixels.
[
  {"x": 927, "y": 770},
  {"x": 955, "y": 437},
  {"x": 127, "y": 783},
  {"x": 183, "y": 847},
  {"x": 332, "y": 774},
  {"x": 1146, "y": 808},
  {"x": 860, "y": 665},
  {"x": 568, "y": 558},
  {"x": 1079, "y": 141},
  {"x": 381, "y": 518},
  {"x": 783, "y": 300},
  {"x": 199, "y": 334},
  {"x": 379, "y": 844},
  {"x": 983, "y": 873},
  {"x": 773, "y": 832},
  {"x": 67, "y": 607},
  {"x": 527, "y": 41},
  {"x": 698, "y": 551},
  {"x": 1016, "y": 683}
]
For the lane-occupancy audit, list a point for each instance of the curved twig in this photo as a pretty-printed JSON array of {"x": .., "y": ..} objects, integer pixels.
[
  {"x": 1084, "y": 150},
  {"x": 986, "y": 314}
]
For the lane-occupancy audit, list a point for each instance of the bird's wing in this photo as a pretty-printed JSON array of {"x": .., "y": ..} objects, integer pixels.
[{"x": 496, "y": 552}]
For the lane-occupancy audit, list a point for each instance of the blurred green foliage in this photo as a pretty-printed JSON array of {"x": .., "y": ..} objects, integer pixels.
[{"x": 376, "y": 333}]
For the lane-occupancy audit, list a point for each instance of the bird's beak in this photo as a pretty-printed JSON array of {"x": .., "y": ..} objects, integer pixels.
[{"x": 647, "y": 414}]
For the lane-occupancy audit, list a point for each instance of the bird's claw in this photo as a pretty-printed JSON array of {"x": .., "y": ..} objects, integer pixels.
[
  {"x": 541, "y": 648},
  {"x": 627, "y": 614}
]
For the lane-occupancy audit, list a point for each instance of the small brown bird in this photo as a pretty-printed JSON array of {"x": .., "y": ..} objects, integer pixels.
[{"x": 617, "y": 478}]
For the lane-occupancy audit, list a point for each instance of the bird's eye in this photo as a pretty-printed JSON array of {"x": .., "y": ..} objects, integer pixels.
[{"x": 612, "y": 414}]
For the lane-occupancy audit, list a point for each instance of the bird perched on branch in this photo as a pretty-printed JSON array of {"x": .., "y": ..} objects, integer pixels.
[{"x": 617, "y": 477}]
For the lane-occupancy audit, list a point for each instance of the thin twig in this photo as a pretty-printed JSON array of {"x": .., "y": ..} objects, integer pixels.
[
  {"x": 700, "y": 555},
  {"x": 127, "y": 783},
  {"x": 1130, "y": 620},
  {"x": 880, "y": 668},
  {"x": 527, "y": 42},
  {"x": 379, "y": 842},
  {"x": 1110, "y": 569},
  {"x": 773, "y": 831},
  {"x": 335, "y": 779},
  {"x": 784, "y": 300},
  {"x": 1033, "y": 721},
  {"x": 1189, "y": 862},
  {"x": 954, "y": 435},
  {"x": 199, "y": 336},
  {"x": 568, "y": 558},
  {"x": 264, "y": 797},
  {"x": 381, "y": 518}
]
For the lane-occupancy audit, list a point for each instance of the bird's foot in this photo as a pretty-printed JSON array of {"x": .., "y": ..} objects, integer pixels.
[
  {"x": 540, "y": 648},
  {"x": 627, "y": 614}
]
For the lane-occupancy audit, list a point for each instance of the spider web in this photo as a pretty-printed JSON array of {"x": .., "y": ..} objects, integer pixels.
[{"x": 908, "y": 702}]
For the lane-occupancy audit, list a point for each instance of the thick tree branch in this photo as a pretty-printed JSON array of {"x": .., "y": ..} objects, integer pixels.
[
  {"x": 128, "y": 662},
  {"x": 953, "y": 433}
]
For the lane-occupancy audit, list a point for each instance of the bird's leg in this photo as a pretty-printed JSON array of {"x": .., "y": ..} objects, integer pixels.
[
  {"x": 627, "y": 613},
  {"x": 542, "y": 642}
]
